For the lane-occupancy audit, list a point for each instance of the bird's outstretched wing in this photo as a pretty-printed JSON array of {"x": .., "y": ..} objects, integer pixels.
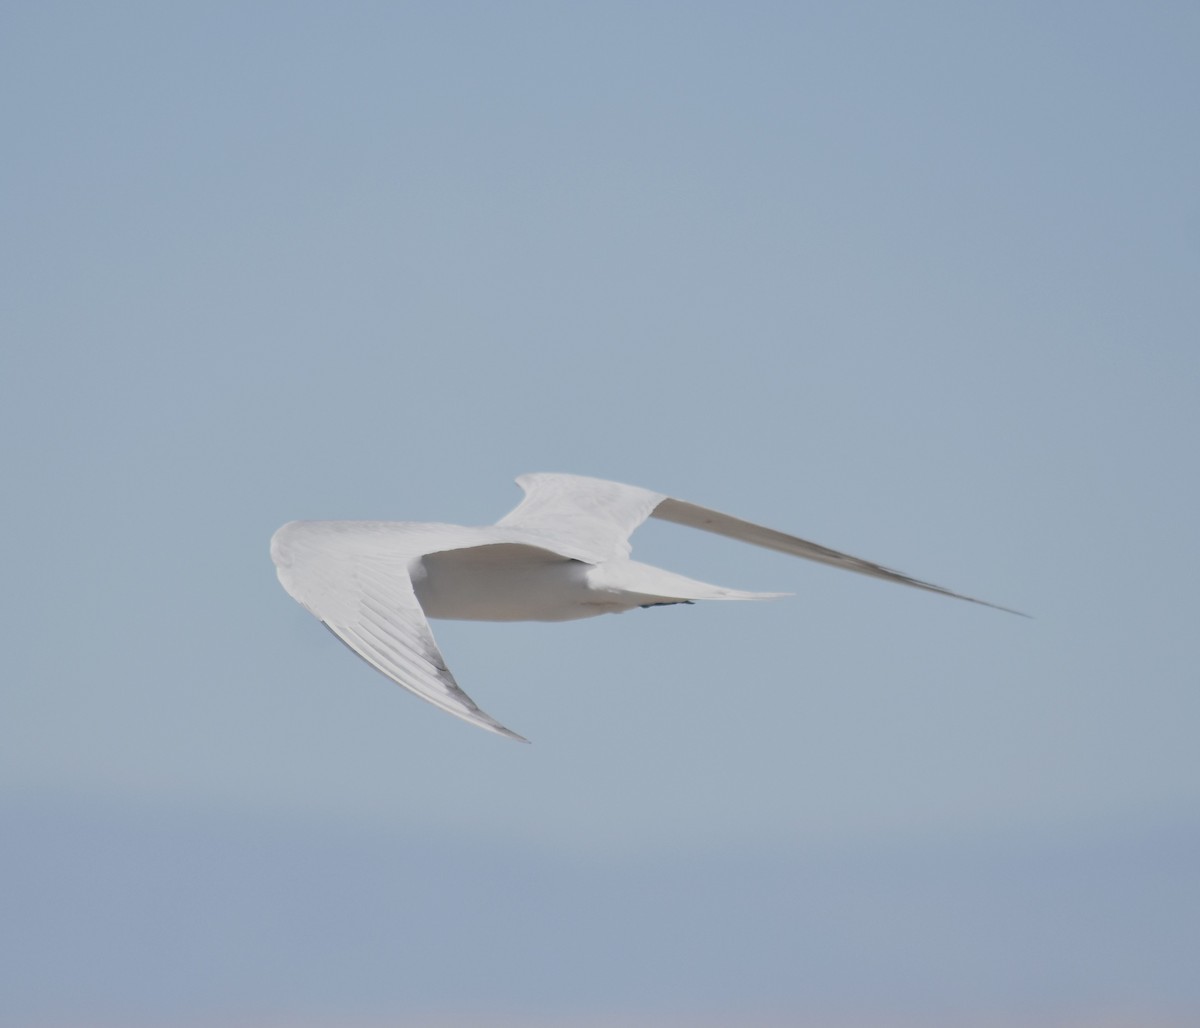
[
  {"x": 354, "y": 577},
  {"x": 682, "y": 513},
  {"x": 597, "y": 517}
]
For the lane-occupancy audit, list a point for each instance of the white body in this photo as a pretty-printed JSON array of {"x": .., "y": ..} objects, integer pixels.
[{"x": 562, "y": 554}]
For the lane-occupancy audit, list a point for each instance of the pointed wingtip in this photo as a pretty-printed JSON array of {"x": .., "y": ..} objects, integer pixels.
[
  {"x": 994, "y": 606},
  {"x": 1019, "y": 613},
  {"x": 509, "y": 734},
  {"x": 490, "y": 724}
]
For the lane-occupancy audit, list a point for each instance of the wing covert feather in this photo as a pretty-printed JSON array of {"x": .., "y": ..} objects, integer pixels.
[{"x": 590, "y": 519}]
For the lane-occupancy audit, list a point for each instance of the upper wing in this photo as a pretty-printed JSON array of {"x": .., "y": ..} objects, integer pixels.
[
  {"x": 592, "y": 519},
  {"x": 354, "y": 577},
  {"x": 683, "y": 513},
  {"x": 587, "y": 518}
]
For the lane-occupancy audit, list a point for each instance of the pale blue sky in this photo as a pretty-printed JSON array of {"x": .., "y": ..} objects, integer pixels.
[{"x": 918, "y": 282}]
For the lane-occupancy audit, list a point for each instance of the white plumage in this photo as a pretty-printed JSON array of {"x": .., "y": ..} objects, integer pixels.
[{"x": 562, "y": 554}]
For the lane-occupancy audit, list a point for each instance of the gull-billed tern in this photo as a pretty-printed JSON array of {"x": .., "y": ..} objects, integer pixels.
[{"x": 562, "y": 554}]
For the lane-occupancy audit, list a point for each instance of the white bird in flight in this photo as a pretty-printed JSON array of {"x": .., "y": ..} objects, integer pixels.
[{"x": 562, "y": 554}]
